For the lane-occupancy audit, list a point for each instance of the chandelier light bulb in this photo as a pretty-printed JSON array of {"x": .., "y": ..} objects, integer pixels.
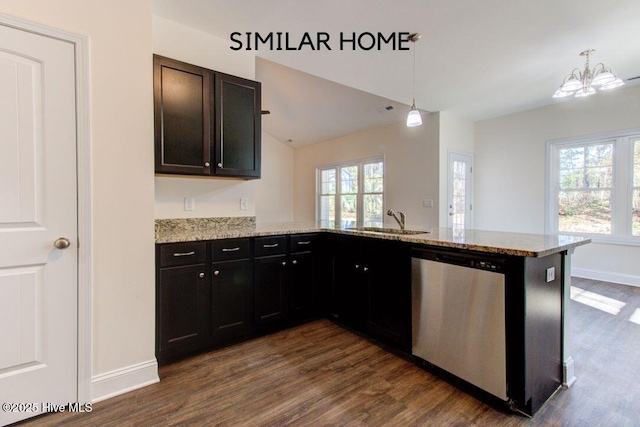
[{"x": 561, "y": 93}]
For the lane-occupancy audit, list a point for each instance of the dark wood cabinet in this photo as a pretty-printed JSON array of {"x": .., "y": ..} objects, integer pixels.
[
  {"x": 349, "y": 291},
  {"x": 231, "y": 299},
  {"x": 182, "y": 317},
  {"x": 305, "y": 274},
  {"x": 237, "y": 127},
  {"x": 232, "y": 289},
  {"x": 271, "y": 270},
  {"x": 205, "y": 123},
  {"x": 371, "y": 288},
  {"x": 388, "y": 279}
]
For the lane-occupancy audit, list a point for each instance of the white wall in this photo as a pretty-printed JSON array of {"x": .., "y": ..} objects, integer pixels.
[
  {"x": 215, "y": 197},
  {"x": 510, "y": 171},
  {"x": 274, "y": 192},
  {"x": 121, "y": 136},
  {"x": 411, "y": 168},
  {"x": 456, "y": 134}
]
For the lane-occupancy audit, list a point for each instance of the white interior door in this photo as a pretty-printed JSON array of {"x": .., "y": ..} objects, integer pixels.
[
  {"x": 38, "y": 206},
  {"x": 459, "y": 192}
]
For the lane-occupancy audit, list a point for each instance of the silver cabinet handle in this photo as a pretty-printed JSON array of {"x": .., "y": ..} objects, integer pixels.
[
  {"x": 184, "y": 253},
  {"x": 308, "y": 242},
  {"x": 216, "y": 273},
  {"x": 219, "y": 165},
  {"x": 294, "y": 262},
  {"x": 201, "y": 275},
  {"x": 230, "y": 249},
  {"x": 62, "y": 243},
  {"x": 275, "y": 245},
  {"x": 206, "y": 164}
]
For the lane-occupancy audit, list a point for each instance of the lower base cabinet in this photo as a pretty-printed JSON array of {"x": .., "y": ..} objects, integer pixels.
[
  {"x": 231, "y": 299},
  {"x": 214, "y": 293},
  {"x": 371, "y": 288}
]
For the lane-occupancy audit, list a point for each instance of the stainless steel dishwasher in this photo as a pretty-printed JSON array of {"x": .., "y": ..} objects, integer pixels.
[{"x": 458, "y": 316}]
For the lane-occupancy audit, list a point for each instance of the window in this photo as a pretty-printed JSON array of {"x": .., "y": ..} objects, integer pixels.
[
  {"x": 351, "y": 194},
  {"x": 594, "y": 187}
]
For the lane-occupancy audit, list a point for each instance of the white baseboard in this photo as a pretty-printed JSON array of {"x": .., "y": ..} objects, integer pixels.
[
  {"x": 624, "y": 279},
  {"x": 568, "y": 372},
  {"x": 123, "y": 380}
]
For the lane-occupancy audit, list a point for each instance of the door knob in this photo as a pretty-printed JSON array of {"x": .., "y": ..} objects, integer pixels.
[{"x": 62, "y": 243}]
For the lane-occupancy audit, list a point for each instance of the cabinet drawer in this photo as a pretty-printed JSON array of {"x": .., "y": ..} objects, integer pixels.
[
  {"x": 270, "y": 245},
  {"x": 172, "y": 254},
  {"x": 303, "y": 242},
  {"x": 226, "y": 249}
]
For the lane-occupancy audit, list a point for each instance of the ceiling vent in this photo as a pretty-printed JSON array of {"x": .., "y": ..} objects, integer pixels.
[{"x": 385, "y": 108}]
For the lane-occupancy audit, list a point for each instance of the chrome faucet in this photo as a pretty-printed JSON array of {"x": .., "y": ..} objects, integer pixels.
[{"x": 400, "y": 221}]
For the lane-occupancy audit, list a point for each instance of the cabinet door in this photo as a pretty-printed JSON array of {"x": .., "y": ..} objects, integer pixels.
[
  {"x": 182, "y": 120},
  {"x": 237, "y": 127},
  {"x": 303, "y": 289},
  {"x": 182, "y": 312},
  {"x": 271, "y": 291},
  {"x": 231, "y": 300},
  {"x": 387, "y": 271},
  {"x": 350, "y": 294}
]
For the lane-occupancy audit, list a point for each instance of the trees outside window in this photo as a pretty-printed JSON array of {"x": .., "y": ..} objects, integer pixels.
[
  {"x": 351, "y": 194},
  {"x": 594, "y": 187}
]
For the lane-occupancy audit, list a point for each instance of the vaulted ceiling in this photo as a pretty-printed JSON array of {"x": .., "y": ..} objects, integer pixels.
[{"x": 477, "y": 58}]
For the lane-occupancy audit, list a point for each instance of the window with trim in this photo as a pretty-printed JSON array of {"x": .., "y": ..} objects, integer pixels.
[
  {"x": 351, "y": 194},
  {"x": 594, "y": 187}
]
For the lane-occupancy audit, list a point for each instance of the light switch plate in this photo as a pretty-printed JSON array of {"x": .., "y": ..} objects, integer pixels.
[
  {"x": 551, "y": 274},
  {"x": 244, "y": 203}
]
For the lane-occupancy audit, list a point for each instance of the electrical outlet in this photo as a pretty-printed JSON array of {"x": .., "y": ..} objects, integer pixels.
[
  {"x": 551, "y": 274},
  {"x": 244, "y": 203},
  {"x": 189, "y": 204},
  {"x": 427, "y": 203}
]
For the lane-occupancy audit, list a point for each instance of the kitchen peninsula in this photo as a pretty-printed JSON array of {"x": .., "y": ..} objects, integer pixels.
[{"x": 223, "y": 280}]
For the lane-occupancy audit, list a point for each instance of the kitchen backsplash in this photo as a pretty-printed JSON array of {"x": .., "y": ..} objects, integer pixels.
[{"x": 194, "y": 224}]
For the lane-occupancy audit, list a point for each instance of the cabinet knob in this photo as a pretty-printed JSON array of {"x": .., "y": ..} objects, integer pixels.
[
  {"x": 284, "y": 263},
  {"x": 219, "y": 165},
  {"x": 206, "y": 164},
  {"x": 294, "y": 262},
  {"x": 365, "y": 268},
  {"x": 357, "y": 266},
  {"x": 216, "y": 273},
  {"x": 201, "y": 275}
]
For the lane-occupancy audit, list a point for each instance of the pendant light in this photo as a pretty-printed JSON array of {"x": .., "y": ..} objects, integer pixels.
[{"x": 414, "y": 118}]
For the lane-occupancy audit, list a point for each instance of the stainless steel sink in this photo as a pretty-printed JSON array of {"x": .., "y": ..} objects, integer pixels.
[{"x": 387, "y": 230}]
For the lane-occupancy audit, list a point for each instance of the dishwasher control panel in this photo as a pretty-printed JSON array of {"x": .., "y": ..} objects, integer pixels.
[{"x": 476, "y": 261}]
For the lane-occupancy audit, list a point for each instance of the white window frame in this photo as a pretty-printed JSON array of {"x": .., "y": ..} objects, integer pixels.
[
  {"x": 621, "y": 191},
  {"x": 359, "y": 196}
]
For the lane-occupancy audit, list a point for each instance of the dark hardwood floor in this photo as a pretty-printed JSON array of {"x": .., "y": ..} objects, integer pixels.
[{"x": 320, "y": 374}]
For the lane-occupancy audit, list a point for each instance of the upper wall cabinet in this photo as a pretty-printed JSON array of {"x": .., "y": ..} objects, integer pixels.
[{"x": 206, "y": 123}]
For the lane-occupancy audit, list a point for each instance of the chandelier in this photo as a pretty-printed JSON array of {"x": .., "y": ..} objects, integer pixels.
[{"x": 583, "y": 83}]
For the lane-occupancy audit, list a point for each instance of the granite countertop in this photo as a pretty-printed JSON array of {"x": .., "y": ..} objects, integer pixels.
[{"x": 517, "y": 244}]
